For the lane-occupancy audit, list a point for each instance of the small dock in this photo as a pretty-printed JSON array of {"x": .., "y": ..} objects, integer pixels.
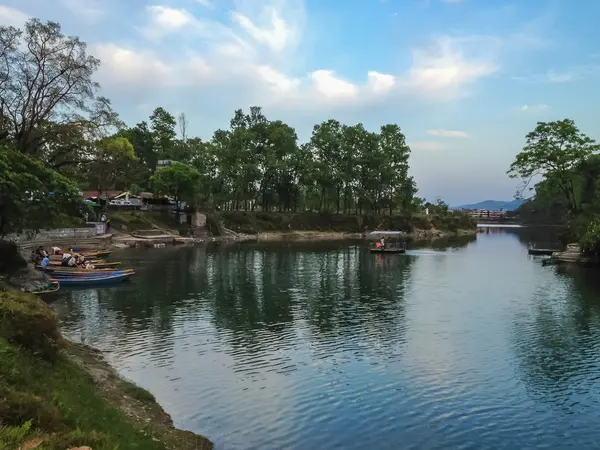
[{"x": 534, "y": 250}]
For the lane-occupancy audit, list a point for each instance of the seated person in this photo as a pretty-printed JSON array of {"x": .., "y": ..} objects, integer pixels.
[
  {"x": 45, "y": 261},
  {"x": 56, "y": 251}
]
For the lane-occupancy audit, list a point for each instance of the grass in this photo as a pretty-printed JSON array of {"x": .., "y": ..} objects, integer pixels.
[
  {"x": 49, "y": 397},
  {"x": 137, "y": 392},
  {"x": 58, "y": 403},
  {"x": 257, "y": 222}
]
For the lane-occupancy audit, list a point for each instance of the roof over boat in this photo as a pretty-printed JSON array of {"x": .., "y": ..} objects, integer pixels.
[{"x": 388, "y": 233}]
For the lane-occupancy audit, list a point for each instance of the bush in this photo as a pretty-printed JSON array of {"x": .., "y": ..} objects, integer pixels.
[
  {"x": 10, "y": 259},
  {"x": 29, "y": 322},
  {"x": 18, "y": 407}
]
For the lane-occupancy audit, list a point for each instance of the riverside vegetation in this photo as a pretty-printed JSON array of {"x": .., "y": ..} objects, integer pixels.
[
  {"x": 566, "y": 164},
  {"x": 55, "y": 395},
  {"x": 59, "y": 136}
]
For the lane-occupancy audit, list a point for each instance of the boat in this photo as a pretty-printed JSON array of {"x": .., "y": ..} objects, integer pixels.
[
  {"x": 99, "y": 280},
  {"x": 54, "y": 286},
  {"x": 394, "y": 242},
  {"x": 100, "y": 264},
  {"x": 85, "y": 273},
  {"x": 87, "y": 255}
]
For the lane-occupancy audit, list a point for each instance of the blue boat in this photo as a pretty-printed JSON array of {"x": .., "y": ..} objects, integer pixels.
[
  {"x": 99, "y": 280},
  {"x": 88, "y": 273}
]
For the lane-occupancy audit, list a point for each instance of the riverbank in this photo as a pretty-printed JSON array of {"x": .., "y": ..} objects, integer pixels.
[{"x": 60, "y": 395}]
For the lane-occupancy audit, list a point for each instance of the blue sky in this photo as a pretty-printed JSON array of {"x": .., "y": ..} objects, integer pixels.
[{"x": 464, "y": 79}]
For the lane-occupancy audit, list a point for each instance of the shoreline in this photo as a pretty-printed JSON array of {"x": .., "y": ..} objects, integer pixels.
[{"x": 135, "y": 402}]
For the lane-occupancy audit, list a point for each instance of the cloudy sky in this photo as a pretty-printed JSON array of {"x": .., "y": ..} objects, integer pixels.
[{"x": 464, "y": 79}]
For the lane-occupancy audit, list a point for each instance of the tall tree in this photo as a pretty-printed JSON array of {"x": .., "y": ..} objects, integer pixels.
[
  {"x": 179, "y": 181},
  {"x": 46, "y": 77},
  {"x": 111, "y": 163},
  {"x": 163, "y": 125},
  {"x": 554, "y": 149}
]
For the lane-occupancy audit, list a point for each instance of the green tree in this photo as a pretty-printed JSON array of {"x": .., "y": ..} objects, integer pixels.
[
  {"x": 111, "y": 164},
  {"x": 163, "y": 125},
  {"x": 46, "y": 77},
  {"x": 555, "y": 149},
  {"x": 179, "y": 181},
  {"x": 32, "y": 195}
]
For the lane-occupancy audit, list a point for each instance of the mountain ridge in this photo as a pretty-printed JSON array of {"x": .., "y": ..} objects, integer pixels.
[{"x": 494, "y": 205}]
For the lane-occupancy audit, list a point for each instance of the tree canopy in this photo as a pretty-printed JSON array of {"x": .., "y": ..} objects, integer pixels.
[{"x": 53, "y": 116}]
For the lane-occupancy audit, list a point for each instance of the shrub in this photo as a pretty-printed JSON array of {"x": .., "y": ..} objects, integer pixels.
[
  {"x": 29, "y": 322},
  {"x": 10, "y": 259},
  {"x": 18, "y": 407}
]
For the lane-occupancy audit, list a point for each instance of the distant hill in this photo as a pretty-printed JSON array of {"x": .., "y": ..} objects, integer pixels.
[{"x": 494, "y": 205}]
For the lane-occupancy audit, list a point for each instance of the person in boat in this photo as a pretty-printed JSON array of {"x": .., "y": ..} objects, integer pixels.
[
  {"x": 382, "y": 242},
  {"x": 45, "y": 261},
  {"x": 65, "y": 259},
  {"x": 56, "y": 251}
]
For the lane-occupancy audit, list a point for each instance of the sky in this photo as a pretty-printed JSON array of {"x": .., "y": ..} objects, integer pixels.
[{"x": 464, "y": 79}]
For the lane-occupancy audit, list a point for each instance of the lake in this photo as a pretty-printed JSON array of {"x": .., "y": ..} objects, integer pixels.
[{"x": 466, "y": 344}]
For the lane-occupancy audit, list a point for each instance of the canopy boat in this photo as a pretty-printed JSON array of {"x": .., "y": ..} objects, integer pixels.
[
  {"x": 393, "y": 242},
  {"x": 98, "y": 280}
]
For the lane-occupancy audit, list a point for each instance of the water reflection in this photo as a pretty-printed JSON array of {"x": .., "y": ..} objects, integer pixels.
[{"x": 463, "y": 343}]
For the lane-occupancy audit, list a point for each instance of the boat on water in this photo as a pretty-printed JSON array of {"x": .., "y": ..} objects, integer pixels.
[
  {"x": 100, "y": 264},
  {"x": 393, "y": 242},
  {"x": 88, "y": 273},
  {"x": 97, "y": 280},
  {"x": 88, "y": 255},
  {"x": 52, "y": 287}
]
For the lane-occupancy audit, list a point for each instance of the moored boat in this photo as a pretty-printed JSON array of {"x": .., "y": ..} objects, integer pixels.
[
  {"x": 98, "y": 280},
  {"x": 88, "y": 273},
  {"x": 88, "y": 255},
  {"x": 52, "y": 287}
]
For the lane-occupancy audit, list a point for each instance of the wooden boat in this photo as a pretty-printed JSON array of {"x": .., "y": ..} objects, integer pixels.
[
  {"x": 393, "y": 242},
  {"x": 99, "y": 280},
  {"x": 101, "y": 264},
  {"x": 86, "y": 273},
  {"x": 54, "y": 286},
  {"x": 88, "y": 255}
]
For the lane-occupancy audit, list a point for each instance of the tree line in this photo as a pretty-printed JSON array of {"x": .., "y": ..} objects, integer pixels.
[
  {"x": 59, "y": 135},
  {"x": 566, "y": 164}
]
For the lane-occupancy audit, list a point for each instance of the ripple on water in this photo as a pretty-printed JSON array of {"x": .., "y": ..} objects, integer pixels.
[{"x": 259, "y": 347}]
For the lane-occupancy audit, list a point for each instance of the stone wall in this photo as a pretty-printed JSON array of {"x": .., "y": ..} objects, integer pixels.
[{"x": 59, "y": 233}]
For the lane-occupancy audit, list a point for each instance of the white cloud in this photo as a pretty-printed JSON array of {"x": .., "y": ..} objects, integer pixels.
[
  {"x": 533, "y": 108},
  {"x": 125, "y": 67},
  {"x": 380, "y": 83},
  {"x": 448, "y": 133},
  {"x": 444, "y": 67},
  {"x": 12, "y": 17},
  {"x": 276, "y": 33},
  {"x": 89, "y": 10},
  {"x": 275, "y": 79},
  {"x": 165, "y": 20},
  {"x": 332, "y": 87},
  {"x": 206, "y": 3}
]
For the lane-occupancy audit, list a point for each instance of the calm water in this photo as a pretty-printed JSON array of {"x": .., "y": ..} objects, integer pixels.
[{"x": 472, "y": 345}]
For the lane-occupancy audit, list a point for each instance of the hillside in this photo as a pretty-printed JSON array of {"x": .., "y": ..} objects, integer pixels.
[{"x": 494, "y": 205}]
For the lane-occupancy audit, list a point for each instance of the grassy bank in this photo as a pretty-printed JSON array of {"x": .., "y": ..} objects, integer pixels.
[
  {"x": 60, "y": 395},
  {"x": 272, "y": 222}
]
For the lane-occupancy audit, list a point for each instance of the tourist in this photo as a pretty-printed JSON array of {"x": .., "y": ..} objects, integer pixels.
[
  {"x": 56, "y": 251},
  {"x": 382, "y": 241},
  {"x": 66, "y": 257},
  {"x": 45, "y": 261},
  {"x": 72, "y": 262}
]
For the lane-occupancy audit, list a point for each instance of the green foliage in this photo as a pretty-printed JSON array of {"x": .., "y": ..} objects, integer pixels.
[
  {"x": 29, "y": 322},
  {"x": 137, "y": 392},
  {"x": 178, "y": 180},
  {"x": 257, "y": 222},
  {"x": 590, "y": 237},
  {"x": 32, "y": 196},
  {"x": 555, "y": 149}
]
